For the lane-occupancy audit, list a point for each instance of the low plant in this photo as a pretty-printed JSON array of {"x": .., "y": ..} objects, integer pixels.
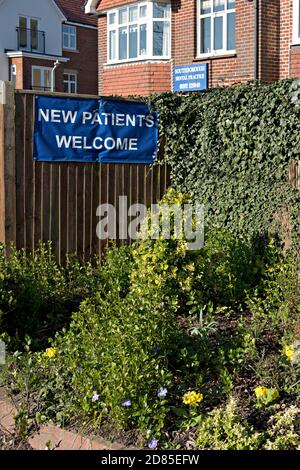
[{"x": 225, "y": 429}]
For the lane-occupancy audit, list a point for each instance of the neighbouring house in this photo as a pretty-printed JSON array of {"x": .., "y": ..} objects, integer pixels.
[
  {"x": 34, "y": 35},
  {"x": 141, "y": 42}
]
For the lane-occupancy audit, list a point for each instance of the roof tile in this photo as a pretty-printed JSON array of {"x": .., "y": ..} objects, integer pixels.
[{"x": 74, "y": 11}]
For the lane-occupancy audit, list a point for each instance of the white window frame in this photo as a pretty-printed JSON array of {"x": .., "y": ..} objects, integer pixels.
[
  {"x": 69, "y": 82},
  {"x": 69, "y": 35},
  {"x": 28, "y": 32},
  {"x": 148, "y": 20},
  {"x": 213, "y": 15},
  {"x": 296, "y": 22},
  {"x": 43, "y": 69}
]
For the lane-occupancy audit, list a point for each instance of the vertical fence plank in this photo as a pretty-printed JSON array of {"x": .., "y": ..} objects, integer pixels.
[
  {"x": 87, "y": 216},
  {"x": 2, "y": 165},
  {"x": 63, "y": 211},
  {"x": 95, "y": 202},
  {"x": 46, "y": 202},
  {"x": 54, "y": 210},
  {"x": 8, "y": 163},
  {"x": 28, "y": 174},
  {"x": 20, "y": 158},
  {"x": 71, "y": 209},
  {"x": 80, "y": 195}
]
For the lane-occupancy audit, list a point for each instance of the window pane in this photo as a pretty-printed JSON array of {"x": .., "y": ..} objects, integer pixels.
[
  {"x": 133, "y": 41},
  {"x": 123, "y": 16},
  {"x": 73, "y": 87},
  {"x": 34, "y": 34},
  {"x": 66, "y": 87},
  {"x": 161, "y": 38},
  {"x": 23, "y": 32},
  {"x": 205, "y": 40},
  {"x": 112, "y": 45},
  {"x": 23, "y": 22},
  {"x": 205, "y": 7},
  {"x": 143, "y": 11},
  {"x": 230, "y": 4},
  {"x": 219, "y": 5},
  {"x": 47, "y": 79},
  {"x": 36, "y": 78},
  {"x": 72, "y": 42},
  {"x": 231, "y": 31},
  {"x": 143, "y": 39},
  {"x": 133, "y": 11},
  {"x": 66, "y": 40},
  {"x": 33, "y": 25},
  {"x": 161, "y": 11},
  {"x": 112, "y": 18},
  {"x": 218, "y": 34},
  {"x": 122, "y": 43}
]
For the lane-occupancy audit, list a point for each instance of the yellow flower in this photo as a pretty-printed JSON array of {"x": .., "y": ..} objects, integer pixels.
[
  {"x": 192, "y": 398},
  {"x": 289, "y": 352},
  {"x": 261, "y": 392},
  {"x": 50, "y": 352}
]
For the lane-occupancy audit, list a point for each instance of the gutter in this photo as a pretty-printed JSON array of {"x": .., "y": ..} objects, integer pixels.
[
  {"x": 91, "y": 7},
  {"x": 256, "y": 40}
]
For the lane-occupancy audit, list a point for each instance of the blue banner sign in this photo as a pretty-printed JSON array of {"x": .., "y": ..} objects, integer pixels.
[
  {"x": 193, "y": 77},
  {"x": 94, "y": 130}
]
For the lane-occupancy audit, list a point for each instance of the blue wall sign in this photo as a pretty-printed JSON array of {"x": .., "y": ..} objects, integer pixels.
[
  {"x": 94, "y": 130},
  {"x": 193, "y": 77}
]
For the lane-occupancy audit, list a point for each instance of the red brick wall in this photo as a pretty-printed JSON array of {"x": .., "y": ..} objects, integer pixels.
[
  {"x": 19, "y": 78},
  {"x": 295, "y": 62},
  {"x": 85, "y": 61},
  {"x": 269, "y": 40},
  {"x": 277, "y": 58},
  {"x": 222, "y": 70},
  {"x": 141, "y": 79},
  {"x": 285, "y": 37},
  {"x": 148, "y": 78}
]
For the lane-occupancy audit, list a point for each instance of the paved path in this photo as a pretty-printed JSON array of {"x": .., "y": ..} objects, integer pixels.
[{"x": 51, "y": 437}]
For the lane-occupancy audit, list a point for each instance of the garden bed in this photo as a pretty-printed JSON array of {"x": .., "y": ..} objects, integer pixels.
[{"x": 169, "y": 348}]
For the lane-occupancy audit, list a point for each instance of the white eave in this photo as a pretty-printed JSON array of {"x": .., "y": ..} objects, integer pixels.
[
  {"x": 91, "y": 7},
  {"x": 32, "y": 55}
]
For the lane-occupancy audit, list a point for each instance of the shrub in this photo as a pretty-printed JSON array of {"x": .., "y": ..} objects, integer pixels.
[
  {"x": 108, "y": 366},
  {"x": 283, "y": 430},
  {"x": 225, "y": 429},
  {"x": 38, "y": 296},
  {"x": 223, "y": 271},
  {"x": 231, "y": 148}
]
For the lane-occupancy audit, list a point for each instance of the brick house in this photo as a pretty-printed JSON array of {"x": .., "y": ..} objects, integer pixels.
[
  {"x": 141, "y": 42},
  {"x": 34, "y": 35}
]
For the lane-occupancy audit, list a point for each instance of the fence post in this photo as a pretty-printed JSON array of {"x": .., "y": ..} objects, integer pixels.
[{"x": 7, "y": 163}]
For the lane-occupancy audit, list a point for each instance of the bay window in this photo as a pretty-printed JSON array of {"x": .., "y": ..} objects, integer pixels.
[
  {"x": 216, "y": 27},
  {"x": 139, "y": 31}
]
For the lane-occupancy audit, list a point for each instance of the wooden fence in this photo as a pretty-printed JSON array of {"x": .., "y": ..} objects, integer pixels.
[{"x": 58, "y": 201}]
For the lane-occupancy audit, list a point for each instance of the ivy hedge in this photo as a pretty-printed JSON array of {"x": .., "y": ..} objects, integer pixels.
[{"x": 231, "y": 149}]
